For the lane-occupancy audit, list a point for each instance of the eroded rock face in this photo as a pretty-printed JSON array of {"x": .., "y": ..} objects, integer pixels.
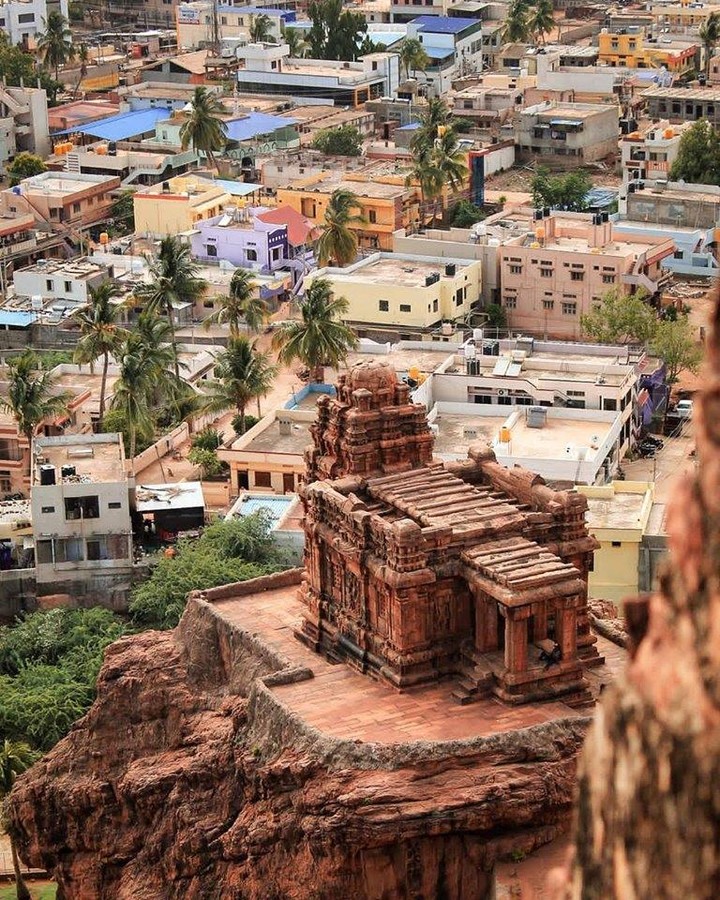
[
  {"x": 649, "y": 781},
  {"x": 175, "y": 785}
]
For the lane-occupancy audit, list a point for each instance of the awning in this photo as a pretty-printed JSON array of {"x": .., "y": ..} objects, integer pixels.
[{"x": 573, "y": 122}]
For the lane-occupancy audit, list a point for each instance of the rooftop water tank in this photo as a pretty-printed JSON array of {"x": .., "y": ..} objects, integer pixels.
[{"x": 536, "y": 417}]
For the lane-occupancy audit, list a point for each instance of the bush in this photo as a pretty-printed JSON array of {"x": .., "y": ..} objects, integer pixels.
[
  {"x": 207, "y": 439},
  {"x": 226, "y": 552},
  {"x": 249, "y": 422},
  {"x": 206, "y": 460},
  {"x": 345, "y": 140},
  {"x": 496, "y": 317},
  {"x": 466, "y": 214}
]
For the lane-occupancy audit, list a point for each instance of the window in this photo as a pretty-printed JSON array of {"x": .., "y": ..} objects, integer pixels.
[
  {"x": 69, "y": 550},
  {"x": 47, "y": 509},
  {"x": 384, "y": 305},
  {"x": 114, "y": 504},
  {"x": 608, "y": 279},
  {"x": 374, "y": 66},
  {"x": 575, "y": 393},
  {"x": 467, "y": 104},
  {"x": 208, "y": 304},
  {"x": 405, "y": 307},
  {"x": 26, "y": 18},
  {"x": 82, "y": 507},
  {"x": 5, "y": 484},
  {"x": 43, "y": 552},
  {"x": 546, "y": 273},
  {"x": 68, "y": 287},
  {"x": 263, "y": 479},
  {"x": 76, "y": 207},
  {"x": 211, "y": 249},
  {"x": 516, "y": 270},
  {"x": 616, "y": 543},
  {"x": 458, "y": 297},
  {"x": 275, "y": 254},
  {"x": 569, "y": 309},
  {"x": 483, "y": 398},
  {"x": 548, "y": 304},
  {"x": 610, "y": 405},
  {"x": 251, "y": 255},
  {"x": 510, "y": 302},
  {"x": 435, "y": 305},
  {"x": 372, "y": 216},
  {"x": 49, "y": 284},
  {"x": 577, "y": 276}
]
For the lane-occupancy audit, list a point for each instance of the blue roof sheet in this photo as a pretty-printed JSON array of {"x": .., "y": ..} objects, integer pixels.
[
  {"x": 444, "y": 24},
  {"x": 287, "y": 14},
  {"x": 276, "y": 507},
  {"x": 16, "y": 318},
  {"x": 439, "y": 52},
  {"x": 600, "y": 196},
  {"x": 122, "y": 126},
  {"x": 254, "y": 124},
  {"x": 413, "y": 126},
  {"x": 235, "y": 188}
]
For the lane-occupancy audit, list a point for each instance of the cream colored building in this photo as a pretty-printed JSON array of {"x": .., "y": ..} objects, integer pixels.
[
  {"x": 618, "y": 515},
  {"x": 392, "y": 296},
  {"x": 62, "y": 198},
  {"x": 176, "y": 205}
]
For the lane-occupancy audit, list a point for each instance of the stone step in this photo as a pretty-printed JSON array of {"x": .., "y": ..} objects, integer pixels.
[{"x": 461, "y": 697}]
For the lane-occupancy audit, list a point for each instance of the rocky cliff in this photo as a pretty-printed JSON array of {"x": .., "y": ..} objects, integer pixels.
[{"x": 188, "y": 780}]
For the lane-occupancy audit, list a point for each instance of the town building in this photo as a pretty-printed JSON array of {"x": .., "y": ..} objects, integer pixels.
[
  {"x": 567, "y": 135},
  {"x": 694, "y": 254},
  {"x": 186, "y": 68},
  {"x": 71, "y": 116},
  {"x": 136, "y": 165},
  {"x": 633, "y": 48},
  {"x": 415, "y": 571},
  {"x": 393, "y": 297},
  {"x": 553, "y": 273},
  {"x": 195, "y": 23},
  {"x": 23, "y": 20},
  {"x": 649, "y": 153},
  {"x": 177, "y": 205},
  {"x": 242, "y": 238},
  {"x": 401, "y": 11},
  {"x": 66, "y": 282},
  {"x": 268, "y": 69},
  {"x": 80, "y": 507},
  {"x": 683, "y": 104},
  {"x": 617, "y": 517},
  {"x": 62, "y": 199},
  {"x": 487, "y": 107},
  {"x": 23, "y": 122},
  {"x": 675, "y": 203},
  {"x": 453, "y": 46}
]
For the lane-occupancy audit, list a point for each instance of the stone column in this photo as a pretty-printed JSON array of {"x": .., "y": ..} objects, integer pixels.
[
  {"x": 540, "y": 621},
  {"x": 516, "y": 644},
  {"x": 486, "y": 623},
  {"x": 566, "y": 632}
]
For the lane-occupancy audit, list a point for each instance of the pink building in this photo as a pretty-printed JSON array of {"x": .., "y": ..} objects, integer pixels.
[{"x": 551, "y": 274}]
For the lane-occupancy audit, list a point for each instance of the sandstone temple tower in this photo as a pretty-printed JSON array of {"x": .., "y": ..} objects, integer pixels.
[{"x": 419, "y": 570}]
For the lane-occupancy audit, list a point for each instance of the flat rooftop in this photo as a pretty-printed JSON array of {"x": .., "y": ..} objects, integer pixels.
[
  {"x": 75, "y": 269},
  {"x": 63, "y": 183},
  {"x": 96, "y": 457},
  {"x": 272, "y": 440},
  {"x": 622, "y": 510},
  {"x": 404, "y": 360},
  {"x": 78, "y": 382},
  {"x": 363, "y": 188},
  {"x": 457, "y": 432},
  {"x": 568, "y": 112},
  {"x": 396, "y": 270},
  {"x": 551, "y": 441}
]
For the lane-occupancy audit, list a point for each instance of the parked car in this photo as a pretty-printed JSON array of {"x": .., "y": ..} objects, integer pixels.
[{"x": 683, "y": 409}]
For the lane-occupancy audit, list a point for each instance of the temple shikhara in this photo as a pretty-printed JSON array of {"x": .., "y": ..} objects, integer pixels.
[{"x": 418, "y": 571}]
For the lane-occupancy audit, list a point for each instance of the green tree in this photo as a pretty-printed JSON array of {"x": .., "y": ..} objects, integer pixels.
[
  {"x": 242, "y": 374},
  {"x": 207, "y": 439},
  {"x": 132, "y": 391},
  {"x": 295, "y": 39},
  {"x": 319, "y": 338},
  {"x": 174, "y": 280},
  {"x": 242, "y": 303},
  {"x": 698, "y": 156},
  {"x": 206, "y": 460},
  {"x": 101, "y": 335},
  {"x": 122, "y": 212},
  {"x": 467, "y": 214},
  {"x": 413, "y": 57},
  {"x": 435, "y": 116},
  {"x": 338, "y": 241},
  {"x": 56, "y": 43},
  {"x": 16, "y": 757},
  {"x": 517, "y": 23},
  {"x": 620, "y": 318},
  {"x": 541, "y": 20},
  {"x": 709, "y": 35},
  {"x": 260, "y": 29},
  {"x": 345, "y": 140},
  {"x": 31, "y": 395},
  {"x": 225, "y": 552},
  {"x": 675, "y": 344},
  {"x": 336, "y": 33},
  {"x": 423, "y": 173},
  {"x": 18, "y": 67},
  {"x": 203, "y": 129},
  {"x": 567, "y": 192},
  {"x": 449, "y": 161},
  {"x": 25, "y": 165}
]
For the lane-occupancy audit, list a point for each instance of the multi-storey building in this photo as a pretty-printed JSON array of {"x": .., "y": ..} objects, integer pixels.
[
  {"x": 62, "y": 199},
  {"x": 23, "y": 20},
  {"x": 568, "y": 134},
  {"x": 650, "y": 153},
  {"x": 632, "y": 48}
]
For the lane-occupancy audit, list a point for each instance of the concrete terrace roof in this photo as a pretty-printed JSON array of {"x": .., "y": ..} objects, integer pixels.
[
  {"x": 234, "y": 188},
  {"x": 120, "y": 127},
  {"x": 256, "y": 124},
  {"x": 444, "y": 24}
]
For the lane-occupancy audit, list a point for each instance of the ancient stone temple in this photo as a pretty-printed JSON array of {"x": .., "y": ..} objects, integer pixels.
[{"x": 419, "y": 570}]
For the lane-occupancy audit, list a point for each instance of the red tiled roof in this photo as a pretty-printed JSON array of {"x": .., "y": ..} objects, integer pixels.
[{"x": 300, "y": 230}]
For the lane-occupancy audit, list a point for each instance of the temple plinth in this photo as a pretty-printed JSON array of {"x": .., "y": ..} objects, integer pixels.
[{"x": 419, "y": 570}]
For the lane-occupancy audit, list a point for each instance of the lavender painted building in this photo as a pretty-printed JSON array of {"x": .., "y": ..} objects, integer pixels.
[{"x": 243, "y": 240}]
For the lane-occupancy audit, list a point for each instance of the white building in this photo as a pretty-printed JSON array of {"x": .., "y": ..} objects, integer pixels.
[
  {"x": 23, "y": 123},
  {"x": 453, "y": 45},
  {"x": 62, "y": 280},
  {"x": 80, "y": 507},
  {"x": 23, "y": 20}
]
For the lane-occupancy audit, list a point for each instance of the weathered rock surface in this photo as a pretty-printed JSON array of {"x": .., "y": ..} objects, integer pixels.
[{"x": 182, "y": 783}]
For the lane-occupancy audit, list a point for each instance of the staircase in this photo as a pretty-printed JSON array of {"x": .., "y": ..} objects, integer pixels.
[{"x": 476, "y": 678}]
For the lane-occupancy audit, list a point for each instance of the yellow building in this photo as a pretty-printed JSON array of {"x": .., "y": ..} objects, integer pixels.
[
  {"x": 617, "y": 516},
  {"x": 637, "y": 51},
  {"x": 385, "y": 203},
  {"x": 177, "y": 205},
  {"x": 404, "y": 297}
]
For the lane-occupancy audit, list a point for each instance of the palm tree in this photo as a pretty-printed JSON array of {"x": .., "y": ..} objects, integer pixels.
[
  {"x": 30, "y": 396},
  {"x": 242, "y": 303},
  {"x": 436, "y": 116},
  {"x": 413, "y": 56},
  {"x": 295, "y": 39},
  {"x": 260, "y": 29},
  {"x": 424, "y": 173},
  {"x": 204, "y": 128},
  {"x": 83, "y": 57},
  {"x": 339, "y": 242},
  {"x": 242, "y": 374},
  {"x": 709, "y": 35},
  {"x": 541, "y": 21},
  {"x": 517, "y": 28},
  {"x": 56, "y": 44},
  {"x": 319, "y": 338},
  {"x": 449, "y": 161},
  {"x": 15, "y": 758},
  {"x": 101, "y": 335},
  {"x": 132, "y": 391},
  {"x": 174, "y": 281}
]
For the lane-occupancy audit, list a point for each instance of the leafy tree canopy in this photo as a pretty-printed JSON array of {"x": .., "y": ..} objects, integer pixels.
[
  {"x": 566, "y": 192},
  {"x": 698, "y": 158},
  {"x": 206, "y": 460},
  {"x": 467, "y": 214},
  {"x": 25, "y": 165},
  {"x": 675, "y": 343},
  {"x": 336, "y": 33},
  {"x": 620, "y": 318},
  {"x": 345, "y": 140},
  {"x": 226, "y": 552},
  {"x": 17, "y": 66}
]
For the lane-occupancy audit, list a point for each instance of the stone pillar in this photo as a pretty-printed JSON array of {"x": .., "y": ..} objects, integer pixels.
[
  {"x": 540, "y": 621},
  {"x": 486, "y": 622},
  {"x": 516, "y": 644},
  {"x": 566, "y": 632}
]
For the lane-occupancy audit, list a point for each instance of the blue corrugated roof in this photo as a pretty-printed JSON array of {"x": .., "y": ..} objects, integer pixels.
[
  {"x": 120, "y": 127},
  {"x": 439, "y": 52},
  {"x": 443, "y": 24},
  {"x": 16, "y": 318},
  {"x": 411, "y": 127},
  {"x": 255, "y": 124},
  {"x": 274, "y": 506}
]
